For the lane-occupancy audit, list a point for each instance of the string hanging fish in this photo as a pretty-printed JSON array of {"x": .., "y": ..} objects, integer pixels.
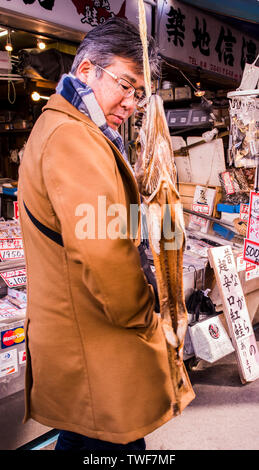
[{"x": 156, "y": 176}]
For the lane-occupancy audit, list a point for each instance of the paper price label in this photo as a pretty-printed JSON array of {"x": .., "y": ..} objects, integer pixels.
[
  {"x": 244, "y": 212},
  {"x": 16, "y": 210},
  {"x": 251, "y": 251},
  {"x": 14, "y": 278},
  {"x": 11, "y": 254},
  {"x": 11, "y": 243},
  {"x": 8, "y": 362}
]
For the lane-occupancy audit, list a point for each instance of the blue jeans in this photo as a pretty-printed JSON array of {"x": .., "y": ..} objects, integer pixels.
[{"x": 68, "y": 440}]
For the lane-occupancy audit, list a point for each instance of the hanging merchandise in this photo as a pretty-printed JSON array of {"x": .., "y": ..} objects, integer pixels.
[
  {"x": 156, "y": 176},
  {"x": 235, "y": 188},
  {"x": 244, "y": 128}
]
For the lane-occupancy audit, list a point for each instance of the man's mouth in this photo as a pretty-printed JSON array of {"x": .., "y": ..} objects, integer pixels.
[{"x": 118, "y": 119}]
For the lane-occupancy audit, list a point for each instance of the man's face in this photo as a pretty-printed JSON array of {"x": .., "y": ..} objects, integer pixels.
[{"x": 116, "y": 107}]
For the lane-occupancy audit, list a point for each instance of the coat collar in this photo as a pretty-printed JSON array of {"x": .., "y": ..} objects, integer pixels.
[{"x": 58, "y": 103}]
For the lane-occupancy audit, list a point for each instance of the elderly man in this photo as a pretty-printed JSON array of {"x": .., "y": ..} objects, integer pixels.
[{"x": 97, "y": 365}]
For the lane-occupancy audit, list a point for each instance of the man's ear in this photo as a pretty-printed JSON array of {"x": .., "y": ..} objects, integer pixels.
[{"x": 83, "y": 70}]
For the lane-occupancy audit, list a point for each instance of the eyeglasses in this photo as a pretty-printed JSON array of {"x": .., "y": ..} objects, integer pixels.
[{"x": 127, "y": 88}]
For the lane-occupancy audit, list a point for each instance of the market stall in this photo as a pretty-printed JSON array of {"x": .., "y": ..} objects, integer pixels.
[{"x": 215, "y": 157}]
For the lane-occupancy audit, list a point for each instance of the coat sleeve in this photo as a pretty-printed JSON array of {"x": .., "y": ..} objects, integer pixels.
[{"x": 78, "y": 166}]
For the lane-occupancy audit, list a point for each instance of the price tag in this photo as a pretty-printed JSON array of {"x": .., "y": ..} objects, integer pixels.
[
  {"x": 244, "y": 212},
  {"x": 11, "y": 248},
  {"x": 15, "y": 278},
  {"x": 16, "y": 210},
  {"x": 253, "y": 222}
]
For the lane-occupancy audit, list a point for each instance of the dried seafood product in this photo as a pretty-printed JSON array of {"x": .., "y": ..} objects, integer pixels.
[{"x": 156, "y": 176}]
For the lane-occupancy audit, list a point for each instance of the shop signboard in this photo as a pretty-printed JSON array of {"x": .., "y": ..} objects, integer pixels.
[
  {"x": 236, "y": 313},
  {"x": 81, "y": 15},
  {"x": 191, "y": 36}
]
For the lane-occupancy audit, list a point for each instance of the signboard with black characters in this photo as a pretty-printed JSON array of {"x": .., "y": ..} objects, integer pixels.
[
  {"x": 191, "y": 36},
  {"x": 80, "y": 15},
  {"x": 236, "y": 313}
]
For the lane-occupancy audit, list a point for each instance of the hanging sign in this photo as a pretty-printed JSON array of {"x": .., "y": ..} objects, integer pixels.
[
  {"x": 15, "y": 278},
  {"x": 236, "y": 313},
  {"x": 81, "y": 15},
  {"x": 251, "y": 245},
  {"x": 191, "y": 36}
]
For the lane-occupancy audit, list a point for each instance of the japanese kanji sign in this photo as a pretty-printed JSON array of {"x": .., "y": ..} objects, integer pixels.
[
  {"x": 191, "y": 36},
  {"x": 251, "y": 245},
  {"x": 11, "y": 248},
  {"x": 80, "y": 15},
  {"x": 236, "y": 313},
  {"x": 14, "y": 278}
]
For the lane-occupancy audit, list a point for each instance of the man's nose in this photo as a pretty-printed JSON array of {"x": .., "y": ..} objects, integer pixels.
[{"x": 128, "y": 102}]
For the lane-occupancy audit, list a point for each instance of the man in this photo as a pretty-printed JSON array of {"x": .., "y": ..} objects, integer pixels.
[{"x": 97, "y": 365}]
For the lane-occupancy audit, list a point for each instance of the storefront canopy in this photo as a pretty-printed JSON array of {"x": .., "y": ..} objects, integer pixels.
[{"x": 247, "y": 10}]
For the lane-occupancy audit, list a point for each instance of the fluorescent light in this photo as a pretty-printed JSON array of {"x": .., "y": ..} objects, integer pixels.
[{"x": 4, "y": 32}]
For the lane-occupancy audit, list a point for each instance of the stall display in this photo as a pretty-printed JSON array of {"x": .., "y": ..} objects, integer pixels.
[{"x": 12, "y": 308}]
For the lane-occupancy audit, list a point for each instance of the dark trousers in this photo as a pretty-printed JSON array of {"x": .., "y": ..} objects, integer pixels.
[{"x": 68, "y": 440}]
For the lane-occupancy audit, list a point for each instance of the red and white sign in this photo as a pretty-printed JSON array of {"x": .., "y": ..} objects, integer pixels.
[
  {"x": 16, "y": 210},
  {"x": 251, "y": 252},
  {"x": 244, "y": 211},
  {"x": 228, "y": 182},
  {"x": 14, "y": 278},
  {"x": 11, "y": 248},
  {"x": 253, "y": 222},
  {"x": 251, "y": 245},
  {"x": 22, "y": 357}
]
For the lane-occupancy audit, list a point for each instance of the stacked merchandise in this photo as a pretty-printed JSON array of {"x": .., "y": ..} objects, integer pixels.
[{"x": 12, "y": 308}]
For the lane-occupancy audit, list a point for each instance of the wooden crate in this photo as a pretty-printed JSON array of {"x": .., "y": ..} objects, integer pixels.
[{"x": 187, "y": 192}]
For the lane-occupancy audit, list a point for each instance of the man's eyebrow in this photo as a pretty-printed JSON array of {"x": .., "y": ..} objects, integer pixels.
[{"x": 131, "y": 80}]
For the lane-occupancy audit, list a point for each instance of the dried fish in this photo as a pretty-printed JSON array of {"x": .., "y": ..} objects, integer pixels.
[{"x": 156, "y": 176}]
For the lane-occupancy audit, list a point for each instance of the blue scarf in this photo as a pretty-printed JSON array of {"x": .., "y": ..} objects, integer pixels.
[{"x": 82, "y": 97}]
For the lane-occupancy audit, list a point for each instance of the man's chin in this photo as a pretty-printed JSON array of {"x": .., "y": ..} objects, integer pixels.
[{"x": 115, "y": 127}]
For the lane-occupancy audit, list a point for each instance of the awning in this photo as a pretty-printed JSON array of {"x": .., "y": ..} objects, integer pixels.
[{"x": 247, "y": 10}]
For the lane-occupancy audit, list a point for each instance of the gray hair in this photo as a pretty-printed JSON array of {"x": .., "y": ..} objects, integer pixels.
[{"x": 116, "y": 37}]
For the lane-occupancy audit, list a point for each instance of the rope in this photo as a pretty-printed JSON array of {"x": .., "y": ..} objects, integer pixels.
[{"x": 143, "y": 37}]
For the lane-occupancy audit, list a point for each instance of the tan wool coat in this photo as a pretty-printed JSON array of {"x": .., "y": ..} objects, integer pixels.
[{"x": 96, "y": 355}]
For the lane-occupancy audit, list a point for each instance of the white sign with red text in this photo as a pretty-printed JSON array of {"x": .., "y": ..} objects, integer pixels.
[
  {"x": 236, "y": 313},
  {"x": 15, "y": 278},
  {"x": 251, "y": 245}
]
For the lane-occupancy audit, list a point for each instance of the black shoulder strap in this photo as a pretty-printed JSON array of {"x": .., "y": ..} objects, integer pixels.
[{"x": 54, "y": 236}]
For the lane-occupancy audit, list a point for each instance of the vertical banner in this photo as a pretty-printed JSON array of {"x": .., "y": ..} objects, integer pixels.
[{"x": 236, "y": 313}]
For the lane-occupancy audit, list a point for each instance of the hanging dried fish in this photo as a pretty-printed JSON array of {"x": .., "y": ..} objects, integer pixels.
[{"x": 156, "y": 176}]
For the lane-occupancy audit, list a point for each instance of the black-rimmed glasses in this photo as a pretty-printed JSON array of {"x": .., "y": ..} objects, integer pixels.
[{"x": 126, "y": 87}]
